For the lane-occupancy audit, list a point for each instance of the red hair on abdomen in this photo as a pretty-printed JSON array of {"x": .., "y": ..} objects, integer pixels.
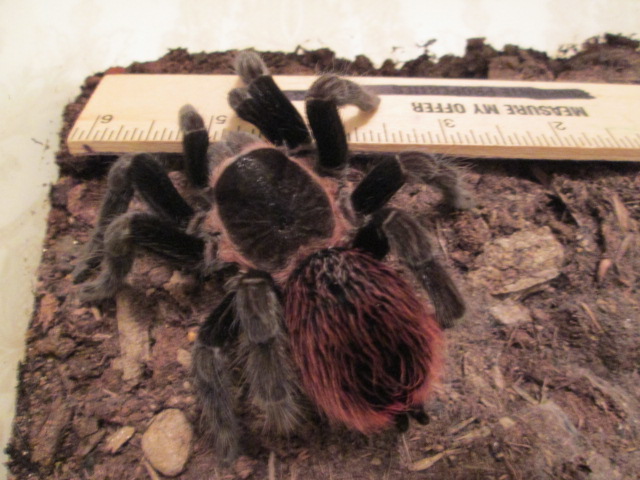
[{"x": 366, "y": 346}]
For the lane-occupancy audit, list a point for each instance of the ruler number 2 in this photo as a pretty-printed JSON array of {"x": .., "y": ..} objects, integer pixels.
[{"x": 558, "y": 125}]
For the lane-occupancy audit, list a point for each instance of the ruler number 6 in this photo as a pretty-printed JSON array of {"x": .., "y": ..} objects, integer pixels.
[{"x": 106, "y": 118}]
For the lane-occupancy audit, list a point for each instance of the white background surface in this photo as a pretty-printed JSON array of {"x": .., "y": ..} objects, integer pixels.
[{"x": 48, "y": 48}]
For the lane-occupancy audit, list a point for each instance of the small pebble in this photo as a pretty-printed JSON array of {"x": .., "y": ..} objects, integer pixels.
[{"x": 167, "y": 442}]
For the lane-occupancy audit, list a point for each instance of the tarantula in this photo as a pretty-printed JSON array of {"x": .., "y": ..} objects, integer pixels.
[{"x": 308, "y": 295}]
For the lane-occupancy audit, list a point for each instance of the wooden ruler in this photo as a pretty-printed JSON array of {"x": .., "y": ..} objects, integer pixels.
[{"x": 469, "y": 118}]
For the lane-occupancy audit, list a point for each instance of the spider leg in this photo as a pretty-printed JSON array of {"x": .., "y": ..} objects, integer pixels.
[
  {"x": 378, "y": 186},
  {"x": 195, "y": 143},
  {"x": 264, "y": 346},
  {"x": 210, "y": 370},
  {"x": 322, "y": 101},
  {"x": 199, "y": 155},
  {"x": 253, "y": 313},
  {"x": 132, "y": 231},
  {"x": 141, "y": 173},
  {"x": 420, "y": 167},
  {"x": 263, "y": 104},
  {"x": 391, "y": 229}
]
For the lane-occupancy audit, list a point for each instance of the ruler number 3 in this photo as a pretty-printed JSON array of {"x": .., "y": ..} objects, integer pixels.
[{"x": 449, "y": 123}]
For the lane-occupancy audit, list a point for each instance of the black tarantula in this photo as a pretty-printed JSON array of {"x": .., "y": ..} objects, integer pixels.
[{"x": 309, "y": 296}]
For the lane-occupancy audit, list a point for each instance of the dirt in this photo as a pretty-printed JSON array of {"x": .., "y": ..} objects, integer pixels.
[{"x": 541, "y": 378}]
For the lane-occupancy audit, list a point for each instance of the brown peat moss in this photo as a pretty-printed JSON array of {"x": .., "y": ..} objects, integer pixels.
[{"x": 541, "y": 382}]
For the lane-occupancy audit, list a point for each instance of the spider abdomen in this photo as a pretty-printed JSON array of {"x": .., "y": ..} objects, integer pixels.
[
  {"x": 366, "y": 347},
  {"x": 271, "y": 206}
]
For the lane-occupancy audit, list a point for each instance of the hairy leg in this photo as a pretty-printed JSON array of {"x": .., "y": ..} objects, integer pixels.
[
  {"x": 132, "y": 231},
  {"x": 210, "y": 370},
  {"x": 269, "y": 372},
  {"x": 263, "y": 104},
  {"x": 391, "y": 229},
  {"x": 323, "y": 99},
  {"x": 129, "y": 174},
  {"x": 195, "y": 143},
  {"x": 420, "y": 167}
]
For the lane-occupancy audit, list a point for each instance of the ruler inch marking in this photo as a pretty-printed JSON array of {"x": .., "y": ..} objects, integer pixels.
[
  {"x": 605, "y": 123},
  {"x": 153, "y": 122},
  {"x": 93, "y": 125},
  {"x": 613, "y": 138}
]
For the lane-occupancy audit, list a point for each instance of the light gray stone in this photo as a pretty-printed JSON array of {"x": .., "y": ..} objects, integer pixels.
[{"x": 167, "y": 442}]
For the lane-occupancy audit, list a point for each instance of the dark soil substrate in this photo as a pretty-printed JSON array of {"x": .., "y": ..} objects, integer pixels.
[{"x": 553, "y": 395}]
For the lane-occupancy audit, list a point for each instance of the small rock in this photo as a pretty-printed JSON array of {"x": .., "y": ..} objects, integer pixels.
[
  {"x": 510, "y": 313},
  {"x": 117, "y": 439},
  {"x": 506, "y": 422},
  {"x": 167, "y": 442},
  {"x": 184, "y": 358},
  {"x": 518, "y": 262},
  {"x": 192, "y": 335}
]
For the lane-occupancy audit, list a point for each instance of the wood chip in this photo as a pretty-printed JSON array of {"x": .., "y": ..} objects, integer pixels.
[
  {"x": 473, "y": 435},
  {"x": 117, "y": 439},
  {"x": 622, "y": 214},
  {"x": 603, "y": 268},
  {"x": 592, "y": 317},
  {"x": 426, "y": 463},
  {"x": 429, "y": 462},
  {"x": 133, "y": 337},
  {"x": 461, "y": 426}
]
